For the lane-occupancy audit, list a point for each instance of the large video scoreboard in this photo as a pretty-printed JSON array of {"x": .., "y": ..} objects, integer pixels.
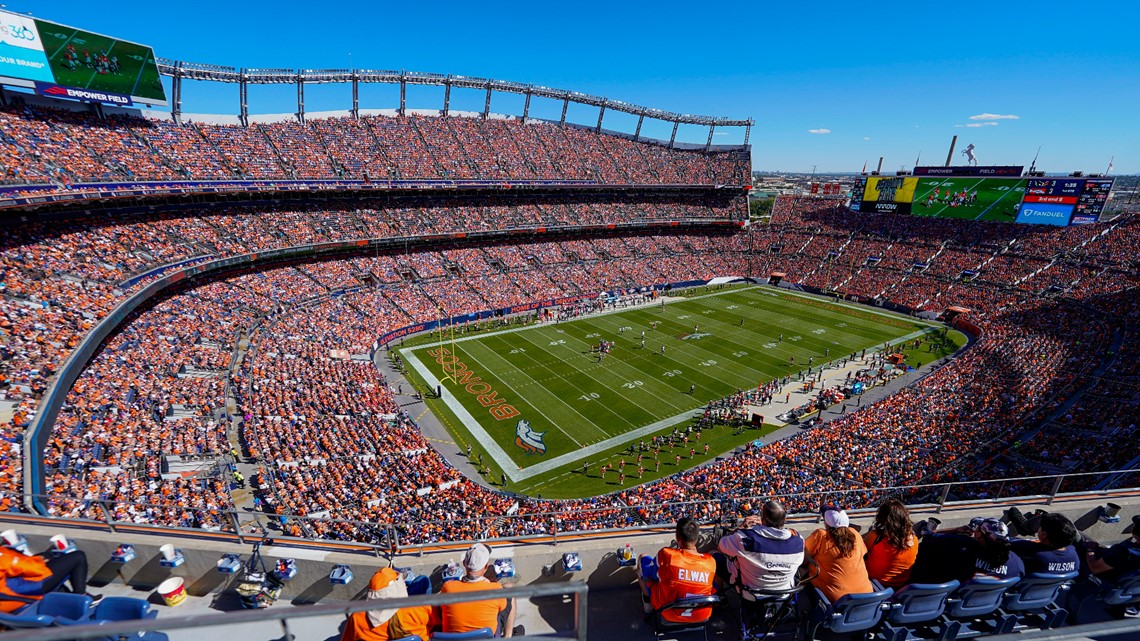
[
  {"x": 979, "y": 195},
  {"x": 64, "y": 62}
]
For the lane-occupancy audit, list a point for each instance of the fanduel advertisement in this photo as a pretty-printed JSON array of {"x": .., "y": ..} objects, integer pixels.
[
  {"x": 1044, "y": 214},
  {"x": 21, "y": 49}
]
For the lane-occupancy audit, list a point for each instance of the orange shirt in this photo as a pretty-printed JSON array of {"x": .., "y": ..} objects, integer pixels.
[
  {"x": 886, "y": 563},
  {"x": 838, "y": 575},
  {"x": 15, "y": 565},
  {"x": 417, "y": 620},
  {"x": 681, "y": 573},
  {"x": 465, "y": 617}
]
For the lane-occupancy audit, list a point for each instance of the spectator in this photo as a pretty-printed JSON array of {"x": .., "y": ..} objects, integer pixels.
[
  {"x": 981, "y": 548},
  {"x": 891, "y": 545},
  {"x": 839, "y": 551},
  {"x": 677, "y": 572},
  {"x": 1120, "y": 559},
  {"x": 25, "y": 579},
  {"x": 496, "y": 614},
  {"x": 765, "y": 555},
  {"x": 1054, "y": 551},
  {"x": 381, "y": 625}
]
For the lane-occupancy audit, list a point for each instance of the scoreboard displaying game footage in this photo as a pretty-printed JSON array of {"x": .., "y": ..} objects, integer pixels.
[
  {"x": 969, "y": 197},
  {"x": 1038, "y": 201},
  {"x": 64, "y": 62}
]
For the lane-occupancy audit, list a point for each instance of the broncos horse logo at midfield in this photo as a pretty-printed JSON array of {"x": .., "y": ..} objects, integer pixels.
[{"x": 529, "y": 440}]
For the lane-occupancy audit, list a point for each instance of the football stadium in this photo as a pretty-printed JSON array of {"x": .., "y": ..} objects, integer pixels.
[{"x": 370, "y": 360}]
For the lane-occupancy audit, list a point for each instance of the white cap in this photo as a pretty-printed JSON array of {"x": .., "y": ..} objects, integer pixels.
[
  {"x": 477, "y": 558},
  {"x": 836, "y": 518}
]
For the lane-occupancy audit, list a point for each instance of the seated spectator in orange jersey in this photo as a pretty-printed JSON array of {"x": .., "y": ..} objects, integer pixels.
[
  {"x": 891, "y": 545},
  {"x": 385, "y": 624},
  {"x": 839, "y": 551},
  {"x": 677, "y": 573},
  {"x": 496, "y": 614}
]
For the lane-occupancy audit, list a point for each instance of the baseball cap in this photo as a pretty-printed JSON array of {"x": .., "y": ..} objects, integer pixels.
[
  {"x": 382, "y": 578},
  {"x": 835, "y": 517},
  {"x": 991, "y": 527},
  {"x": 477, "y": 557}
]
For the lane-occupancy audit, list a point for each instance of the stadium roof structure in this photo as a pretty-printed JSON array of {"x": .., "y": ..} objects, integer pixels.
[{"x": 179, "y": 70}]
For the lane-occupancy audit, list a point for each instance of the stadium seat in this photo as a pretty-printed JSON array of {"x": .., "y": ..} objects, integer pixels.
[
  {"x": 419, "y": 585},
  {"x": 1113, "y": 597},
  {"x": 112, "y": 609},
  {"x": 25, "y": 618},
  {"x": 917, "y": 607},
  {"x": 55, "y": 608},
  {"x": 66, "y": 607},
  {"x": 685, "y": 606},
  {"x": 851, "y": 613},
  {"x": 1034, "y": 601},
  {"x": 481, "y": 633},
  {"x": 972, "y": 610},
  {"x": 764, "y": 611}
]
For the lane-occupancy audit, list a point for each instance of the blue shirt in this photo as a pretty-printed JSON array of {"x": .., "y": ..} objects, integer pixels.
[{"x": 1041, "y": 558}]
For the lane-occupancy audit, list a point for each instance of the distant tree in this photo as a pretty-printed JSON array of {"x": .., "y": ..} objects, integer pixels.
[{"x": 760, "y": 207}]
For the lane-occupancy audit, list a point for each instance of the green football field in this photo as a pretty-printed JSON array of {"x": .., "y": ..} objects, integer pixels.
[
  {"x": 539, "y": 401},
  {"x": 997, "y": 198},
  {"x": 137, "y": 74}
]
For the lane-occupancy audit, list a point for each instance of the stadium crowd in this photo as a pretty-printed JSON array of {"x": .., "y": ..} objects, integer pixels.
[
  {"x": 65, "y": 147},
  {"x": 343, "y": 449}
]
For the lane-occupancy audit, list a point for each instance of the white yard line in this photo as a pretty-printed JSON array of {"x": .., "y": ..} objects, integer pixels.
[{"x": 497, "y": 453}]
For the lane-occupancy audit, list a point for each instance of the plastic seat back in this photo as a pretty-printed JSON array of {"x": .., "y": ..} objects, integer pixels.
[
  {"x": 695, "y": 610},
  {"x": 855, "y": 612},
  {"x": 65, "y": 605},
  {"x": 26, "y": 617},
  {"x": 1125, "y": 591},
  {"x": 920, "y": 602},
  {"x": 411, "y": 637},
  {"x": 121, "y": 608},
  {"x": 419, "y": 585},
  {"x": 979, "y": 597},
  {"x": 1037, "y": 591},
  {"x": 481, "y": 633}
]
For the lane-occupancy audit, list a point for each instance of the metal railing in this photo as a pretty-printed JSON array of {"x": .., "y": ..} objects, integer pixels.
[
  {"x": 576, "y": 590},
  {"x": 547, "y": 526}
]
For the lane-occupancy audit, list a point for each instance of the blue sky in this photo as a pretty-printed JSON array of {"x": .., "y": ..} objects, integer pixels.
[{"x": 869, "y": 79}]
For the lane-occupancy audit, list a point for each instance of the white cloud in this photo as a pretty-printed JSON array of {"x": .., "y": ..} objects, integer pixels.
[
  {"x": 989, "y": 116},
  {"x": 819, "y": 131},
  {"x": 866, "y": 137},
  {"x": 975, "y": 125}
]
